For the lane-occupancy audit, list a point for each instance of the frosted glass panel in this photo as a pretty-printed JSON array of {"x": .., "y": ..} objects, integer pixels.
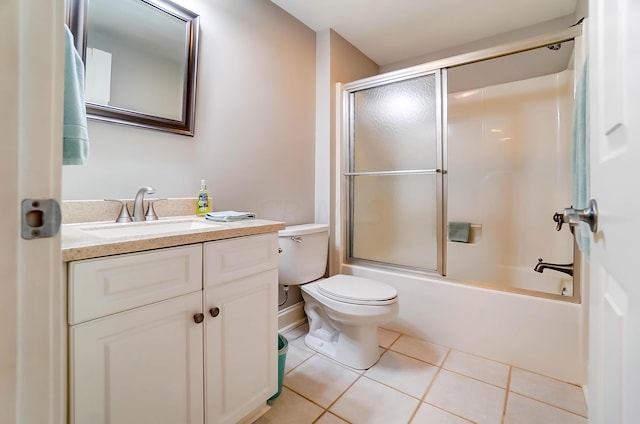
[
  {"x": 395, "y": 126},
  {"x": 394, "y": 220}
]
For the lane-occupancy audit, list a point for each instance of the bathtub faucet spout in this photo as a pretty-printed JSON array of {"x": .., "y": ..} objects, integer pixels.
[{"x": 566, "y": 268}]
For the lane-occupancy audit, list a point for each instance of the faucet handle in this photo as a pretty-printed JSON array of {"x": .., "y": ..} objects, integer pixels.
[
  {"x": 124, "y": 215},
  {"x": 559, "y": 218},
  {"x": 151, "y": 213}
]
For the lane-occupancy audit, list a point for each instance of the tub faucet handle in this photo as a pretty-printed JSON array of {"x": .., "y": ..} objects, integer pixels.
[{"x": 559, "y": 219}]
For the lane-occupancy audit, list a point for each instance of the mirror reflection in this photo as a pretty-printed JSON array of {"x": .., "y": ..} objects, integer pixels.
[{"x": 140, "y": 58}]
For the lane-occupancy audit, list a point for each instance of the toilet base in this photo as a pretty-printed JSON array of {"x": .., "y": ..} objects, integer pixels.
[
  {"x": 358, "y": 350},
  {"x": 353, "y": 345}
]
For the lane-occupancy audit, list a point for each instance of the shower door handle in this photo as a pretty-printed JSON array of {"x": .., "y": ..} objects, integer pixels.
[{"x": 573, "y": 216}]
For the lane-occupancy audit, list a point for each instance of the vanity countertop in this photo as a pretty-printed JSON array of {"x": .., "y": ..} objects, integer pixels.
[{"x": 78, "y": 243}]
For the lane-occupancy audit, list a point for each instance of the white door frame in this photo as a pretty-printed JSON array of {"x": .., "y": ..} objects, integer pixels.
[{"x": 32, "y": 294}]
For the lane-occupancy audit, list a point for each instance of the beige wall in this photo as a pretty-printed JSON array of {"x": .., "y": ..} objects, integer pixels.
[
  {"x": 337, "y": 61},
  {"x": 343, "y": 63},
  {"x": 255, "y": 122}
]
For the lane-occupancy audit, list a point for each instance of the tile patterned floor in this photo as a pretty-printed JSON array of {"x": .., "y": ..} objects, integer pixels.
[{"x": 418, "y": 382}]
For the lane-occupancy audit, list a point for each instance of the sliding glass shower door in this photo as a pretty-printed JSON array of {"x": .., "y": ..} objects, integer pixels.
[{"x": 394, "y": 179}]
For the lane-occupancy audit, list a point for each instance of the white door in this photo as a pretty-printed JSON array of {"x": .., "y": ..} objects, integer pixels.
[
  {"x": 32, "y": 354},
  {"x": 140, "y": 366},
  {"x": 614, "y": 288}
]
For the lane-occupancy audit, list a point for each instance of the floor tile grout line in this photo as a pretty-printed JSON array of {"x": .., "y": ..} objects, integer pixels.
[
  {"x": 340, "y": 395},
  {"x": 391, "y": 387},
  {"x": 549, "y": 404},
  {"x": 557, "y": 380},
  {"x": 442, "y": 368},
  {"x": 473, "y": 378},
  {"x": 302, "y": 362},
  {"x": 310, "y": 400},
  {"x": 509, "y": 391},
  {"x": 455, "y": 414},
  {"x": 413, "y": 357},
  {"x": 449, "y": 370},
  {"x": 475, "y": 355},
  {"x": 506, "y": 396},
  {"x": 325, "y": 412},
  {"x": 424, "y": 395},
  {"x": 360, "y": 375}
]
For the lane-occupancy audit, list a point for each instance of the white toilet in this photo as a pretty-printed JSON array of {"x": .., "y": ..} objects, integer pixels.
[{"x": 343, "y": 311}]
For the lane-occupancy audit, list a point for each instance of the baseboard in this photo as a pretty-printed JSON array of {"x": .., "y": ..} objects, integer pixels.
[{"x": 291, "y": 317}]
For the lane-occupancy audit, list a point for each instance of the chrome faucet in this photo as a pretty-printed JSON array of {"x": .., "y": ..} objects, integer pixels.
[
  {"x": 138, "y": 204},
  {"x": 566, "y": 268}
]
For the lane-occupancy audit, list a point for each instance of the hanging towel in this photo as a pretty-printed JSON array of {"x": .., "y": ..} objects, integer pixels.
[
  {"x": 75, "y": 134},
  {"x": 229, "y": 216},
  {"x": 580, "y": 157},
  {"x": 459, "y": 231}
]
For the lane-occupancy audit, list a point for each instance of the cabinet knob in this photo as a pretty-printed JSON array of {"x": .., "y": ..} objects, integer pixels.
[
  {"x": 198, "y": 318},
  {"x": 214, "y": 311}
]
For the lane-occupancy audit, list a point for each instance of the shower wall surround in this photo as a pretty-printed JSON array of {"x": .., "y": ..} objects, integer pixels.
[{"x": 509, "y": 171}]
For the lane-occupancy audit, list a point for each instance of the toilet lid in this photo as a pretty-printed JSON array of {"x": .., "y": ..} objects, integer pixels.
[{"x": 361, "y": 291}]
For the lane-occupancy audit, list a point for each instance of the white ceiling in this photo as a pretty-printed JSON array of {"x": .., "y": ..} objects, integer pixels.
[{"x": 388, "y": 31}]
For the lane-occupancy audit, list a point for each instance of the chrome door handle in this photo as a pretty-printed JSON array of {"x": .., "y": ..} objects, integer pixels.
[{"x": 573, "y": 216}]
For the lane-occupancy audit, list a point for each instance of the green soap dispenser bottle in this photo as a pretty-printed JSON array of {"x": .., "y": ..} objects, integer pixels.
[{"x": 203, "y": 205}]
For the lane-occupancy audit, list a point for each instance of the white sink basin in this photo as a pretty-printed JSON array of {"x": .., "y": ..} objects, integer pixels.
[{"x": 147, "y": 228}]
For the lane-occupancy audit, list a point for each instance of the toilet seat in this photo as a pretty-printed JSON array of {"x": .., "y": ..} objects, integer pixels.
[{"x": 356, "y": 290}]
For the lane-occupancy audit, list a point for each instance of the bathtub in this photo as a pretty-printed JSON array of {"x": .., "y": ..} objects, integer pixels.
[
  {"x": 541, "y": 335},
  {"x": 518, "y": 278},
  {"x": 552, "y": 282}
]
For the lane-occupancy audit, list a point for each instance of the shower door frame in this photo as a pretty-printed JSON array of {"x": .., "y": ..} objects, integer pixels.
[
  {"x": 344, "y": 180},
  {"x": 350, "y": 91}
]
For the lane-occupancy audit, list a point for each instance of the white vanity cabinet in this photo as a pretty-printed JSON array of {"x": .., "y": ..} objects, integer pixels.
[
  {"x": 135, "y": 351},
  {"x": 154, "y": 339},
  {"x": 241, "y": 341}
]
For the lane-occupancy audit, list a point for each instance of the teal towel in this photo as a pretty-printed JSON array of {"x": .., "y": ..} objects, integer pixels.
[
  {"x": 580, "y": 157},
  {"x": 459, "y": 231},
  {"x": 75, "y": 135},
  {"x": 229, "y": 216}
]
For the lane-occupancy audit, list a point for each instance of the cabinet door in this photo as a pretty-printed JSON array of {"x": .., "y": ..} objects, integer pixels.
[
  {"x": 241, "y": 348},
  {"x": 140, "y": 366}
]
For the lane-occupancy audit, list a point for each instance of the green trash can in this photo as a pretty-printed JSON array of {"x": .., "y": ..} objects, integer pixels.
[{"x": 283, "y": 346}]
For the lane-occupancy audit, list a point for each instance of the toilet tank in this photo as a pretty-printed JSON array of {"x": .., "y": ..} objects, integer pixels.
[{"x": 304, "y": 253}]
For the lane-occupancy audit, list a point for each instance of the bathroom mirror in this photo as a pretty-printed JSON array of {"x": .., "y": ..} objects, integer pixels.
[{"x": 140, "y": 59}]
